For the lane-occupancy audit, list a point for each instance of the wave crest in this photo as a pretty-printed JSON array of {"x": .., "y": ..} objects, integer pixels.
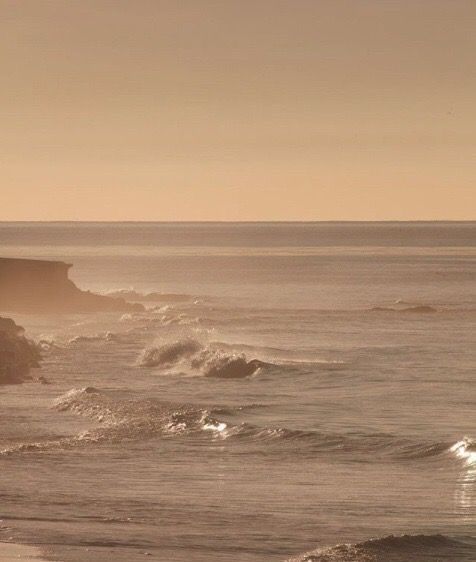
[
  {"x": 101, "y": 337},
  {"x": 466, "y": 450},
  {"x": 424, "y": 548},
  {"x": 218, "y": 364},
  {"x": 169, "y": 353},
  {"x": 132, "y": 295},
  {"x": 207, "y": 361},
  {"x": 121, "y": 419},
  {"x": 417, "y": 309}
]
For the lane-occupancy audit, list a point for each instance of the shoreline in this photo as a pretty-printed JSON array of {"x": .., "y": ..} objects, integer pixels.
[{"x": 10, "y": 552}]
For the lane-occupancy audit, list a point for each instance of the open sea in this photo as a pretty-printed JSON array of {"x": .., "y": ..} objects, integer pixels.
[{"x": 294, "y": 391}]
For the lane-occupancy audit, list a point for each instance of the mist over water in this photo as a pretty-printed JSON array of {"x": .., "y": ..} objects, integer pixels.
[{"x": 297, "y": 392}]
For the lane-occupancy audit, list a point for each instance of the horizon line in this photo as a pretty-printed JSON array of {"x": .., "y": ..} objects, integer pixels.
[{"x": 333, "y": 221}]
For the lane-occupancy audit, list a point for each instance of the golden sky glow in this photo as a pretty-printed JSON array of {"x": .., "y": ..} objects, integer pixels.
[{"x": 237, "y": 110}]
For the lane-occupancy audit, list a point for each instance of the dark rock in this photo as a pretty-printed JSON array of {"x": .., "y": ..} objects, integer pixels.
[
  {"x": 43, "y": 286},
  {"x": 17, "y": 354}
]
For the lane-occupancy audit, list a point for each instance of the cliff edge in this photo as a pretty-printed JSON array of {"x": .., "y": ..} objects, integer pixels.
[
  {"x": 43, "y": 286},
  {"x": 17, "y": 354}
]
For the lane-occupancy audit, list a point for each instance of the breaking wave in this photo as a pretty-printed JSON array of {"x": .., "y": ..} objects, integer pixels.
[
  {"x": 102, "y": 337},
  {"x": 417, "y": 309},
  {"x": 132, "y": 295},
  {"x": 131, "y": 418},
  {"x": 207, "y": 361},
  {"x": 120, "y": 419},
  {"x": 419, "y": 548},
  {"x": 216, "y": 363},
  {"x": 47, "y": 344},
  {"x": 161, "y": 316},
  {"x": 384, "y": 447},
  {"x": 466, "y": 450},
  {"x": 169, "y": 353}
]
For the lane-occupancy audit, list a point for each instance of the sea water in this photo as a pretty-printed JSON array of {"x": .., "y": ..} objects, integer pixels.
[{"x": 293, "y": 391}]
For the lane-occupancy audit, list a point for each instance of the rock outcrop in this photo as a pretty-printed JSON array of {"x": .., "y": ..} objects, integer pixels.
[
  {"x": 43, "y": 286},
  {"x": 17, "y": 354}
]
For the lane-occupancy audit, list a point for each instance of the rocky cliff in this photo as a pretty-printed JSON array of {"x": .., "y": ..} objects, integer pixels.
[
  {"x": 44, "y": 286},
  {"x": 17, "y": 354}
]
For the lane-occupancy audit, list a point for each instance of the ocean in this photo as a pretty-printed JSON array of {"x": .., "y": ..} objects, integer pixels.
[{"x": 293, "y": 391}]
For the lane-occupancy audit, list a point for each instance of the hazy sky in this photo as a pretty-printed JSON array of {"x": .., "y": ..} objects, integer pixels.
[{"x": 237, "y": 109}]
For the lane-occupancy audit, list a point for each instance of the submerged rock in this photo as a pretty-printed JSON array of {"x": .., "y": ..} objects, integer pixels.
[{"x": 17, "y": 354}]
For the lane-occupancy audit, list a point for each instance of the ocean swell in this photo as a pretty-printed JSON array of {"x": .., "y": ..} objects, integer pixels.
[
  {"x": 404, "y": 548},
  {"x": 361, "y": 447},
  {"x": 121, "y": 419},
  {"x": 417, "y": 309}
]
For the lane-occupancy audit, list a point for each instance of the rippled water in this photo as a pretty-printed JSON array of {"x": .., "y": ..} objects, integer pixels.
[{"x": 294, "y": 392}]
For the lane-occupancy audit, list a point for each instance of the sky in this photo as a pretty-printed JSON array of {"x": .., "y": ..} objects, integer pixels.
[{"x": 237, "y": 110}]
